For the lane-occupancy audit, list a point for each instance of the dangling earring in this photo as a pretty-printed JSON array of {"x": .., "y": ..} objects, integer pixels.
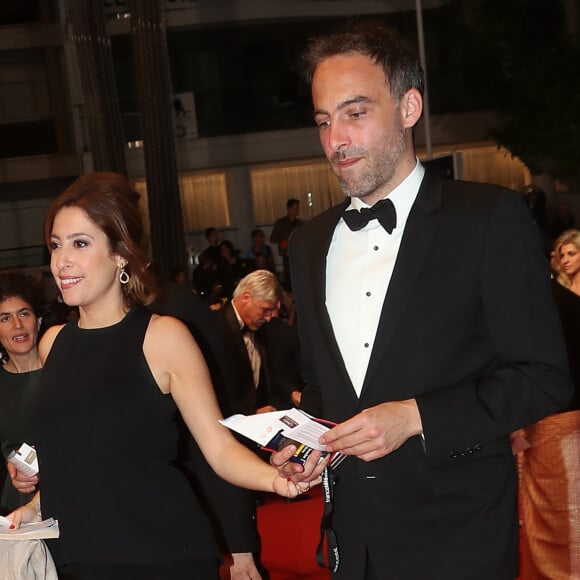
[{"x": 123, "y": 276}]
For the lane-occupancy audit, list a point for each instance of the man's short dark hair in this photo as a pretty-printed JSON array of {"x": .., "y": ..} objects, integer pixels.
[
  {"x": 381, "y": 44},
  {"x": 208, "y": 232},
  {"x": 292, "y": 202}
]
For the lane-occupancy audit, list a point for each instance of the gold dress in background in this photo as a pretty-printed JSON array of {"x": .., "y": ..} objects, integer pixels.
[{"x": 550, "y": 499}]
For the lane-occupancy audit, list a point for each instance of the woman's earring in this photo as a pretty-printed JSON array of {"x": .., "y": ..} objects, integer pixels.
[{"x": 123, "y": 276}]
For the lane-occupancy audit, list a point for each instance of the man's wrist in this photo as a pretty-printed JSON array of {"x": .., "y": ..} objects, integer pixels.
[
  {"x": 415, "y": 423},
  {"x": 243, "y": 558}
]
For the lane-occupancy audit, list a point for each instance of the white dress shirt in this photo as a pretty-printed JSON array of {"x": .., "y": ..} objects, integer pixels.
[
  {"x": 251, "y": 348},
  {"x": 359, "y": 267}
]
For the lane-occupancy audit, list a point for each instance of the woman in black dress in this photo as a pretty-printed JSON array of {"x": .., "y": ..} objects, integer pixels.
[
  {"x": 20, "y": 319},
  {"x": 112, "y": 385}
]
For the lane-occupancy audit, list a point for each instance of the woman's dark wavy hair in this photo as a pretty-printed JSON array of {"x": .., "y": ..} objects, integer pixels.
[
  {"x": 381, "y": 44},
  {"x": 110, "y": 201},
  {"x": 14, "y": 284}
]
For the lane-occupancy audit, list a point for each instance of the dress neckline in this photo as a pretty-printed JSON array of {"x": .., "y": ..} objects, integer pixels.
[{"x": 75, "y": 324}]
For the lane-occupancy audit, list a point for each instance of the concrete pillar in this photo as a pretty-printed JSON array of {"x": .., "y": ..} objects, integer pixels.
[
  {"x": 151, "y": 59},
  {"x": 240, "y": 204},
  {"x": 95, "y": 64}
]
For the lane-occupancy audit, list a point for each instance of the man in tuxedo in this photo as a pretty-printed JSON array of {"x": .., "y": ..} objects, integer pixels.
[
  {"x": 427, "y": 328},
  {"x": 255, "y": 301}
]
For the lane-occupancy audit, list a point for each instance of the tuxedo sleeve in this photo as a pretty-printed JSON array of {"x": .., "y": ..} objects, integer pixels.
[
  {"x": 311, "y": 398},
  {"x": 230, "y": 509},
  {"x": 530, "y": 377}
]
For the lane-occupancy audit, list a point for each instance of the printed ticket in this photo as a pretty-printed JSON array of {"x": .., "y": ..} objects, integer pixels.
[{"x": 275, "y": 430}]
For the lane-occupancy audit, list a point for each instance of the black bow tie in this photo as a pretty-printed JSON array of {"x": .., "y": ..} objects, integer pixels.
[{"x": 383, "y": 210}]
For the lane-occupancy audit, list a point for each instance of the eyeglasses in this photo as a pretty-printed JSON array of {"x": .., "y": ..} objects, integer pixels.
[
  {"x": 266, "y": 307},
  {"x": 268, "y": 311}
]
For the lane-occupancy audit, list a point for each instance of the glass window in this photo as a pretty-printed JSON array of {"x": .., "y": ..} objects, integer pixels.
[
  {"x": 203, "y": 200},
  {"x": 313, "y": 183}
]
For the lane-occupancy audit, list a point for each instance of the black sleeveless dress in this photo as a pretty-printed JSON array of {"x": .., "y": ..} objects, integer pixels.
[
  {"x": 106, "y": 438},
  {"x": 17, "y": 391}
]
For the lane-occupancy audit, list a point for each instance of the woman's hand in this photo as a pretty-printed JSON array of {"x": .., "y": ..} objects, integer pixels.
[
  {"x": 286, "y": 487},
  {"x": 293, "y": 478},
  {"x": 23, "y": 515}
]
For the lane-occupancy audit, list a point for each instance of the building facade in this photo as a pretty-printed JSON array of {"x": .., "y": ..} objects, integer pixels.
[{"x": 244, "y": 138}]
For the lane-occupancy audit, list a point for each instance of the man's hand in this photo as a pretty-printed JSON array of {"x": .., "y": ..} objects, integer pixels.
[
  {"x": 295, "y": 472},
  {"x": 296, "y": 398},
  {"x": 244, "y": 567},
  {"x": 22, "y": 483},
  {"x": 375, "y": 432},
  {"x": 265, "y": 409},
  {"x": 519, "y": 441}
]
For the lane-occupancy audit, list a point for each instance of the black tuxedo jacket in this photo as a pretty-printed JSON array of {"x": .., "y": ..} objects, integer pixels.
[
  {"x": 283, "y": 357},
  {"x": 241, "y": 395},
  {"x": 468, "y": 328},
  {"x": 231, "y": 509}
]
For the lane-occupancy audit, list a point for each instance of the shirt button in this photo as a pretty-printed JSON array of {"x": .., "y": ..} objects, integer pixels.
[
  {"x": 375, "y": 248},
  {"x": 367, "y": 293},
  {"x": 366, "y": 344}
]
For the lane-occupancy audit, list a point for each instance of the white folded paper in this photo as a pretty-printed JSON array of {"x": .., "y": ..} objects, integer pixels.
[
  {"x": 38, "y": 530},
  {"x": 273, "y": 431}
]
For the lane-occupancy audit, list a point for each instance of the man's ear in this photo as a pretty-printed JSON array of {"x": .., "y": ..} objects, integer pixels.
[{"x": 411, "y": 108}]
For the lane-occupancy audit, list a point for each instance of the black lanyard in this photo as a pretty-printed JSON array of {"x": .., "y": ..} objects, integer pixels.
[{"x": 326, "y": 530}]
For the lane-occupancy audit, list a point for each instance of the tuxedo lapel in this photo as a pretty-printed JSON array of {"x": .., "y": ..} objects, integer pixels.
[
  {"x": 237, "y": 340},
  {"x": 417, "y": 239},
  {"x": 317, "y": 273}
]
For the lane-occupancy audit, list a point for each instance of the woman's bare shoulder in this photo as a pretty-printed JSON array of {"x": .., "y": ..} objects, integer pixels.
[
  {"x": 166, "y": 332},
  {"x": 161, "y": 323}
]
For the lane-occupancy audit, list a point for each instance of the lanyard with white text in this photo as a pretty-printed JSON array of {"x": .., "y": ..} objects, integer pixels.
[{"x": 326, "y": 530}]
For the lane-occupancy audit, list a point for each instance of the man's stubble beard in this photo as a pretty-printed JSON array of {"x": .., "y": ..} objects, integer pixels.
[{"x": 381, "y": 169}]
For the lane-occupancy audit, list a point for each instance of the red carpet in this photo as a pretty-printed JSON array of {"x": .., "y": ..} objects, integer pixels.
[{"x": 290, "y": 534}]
